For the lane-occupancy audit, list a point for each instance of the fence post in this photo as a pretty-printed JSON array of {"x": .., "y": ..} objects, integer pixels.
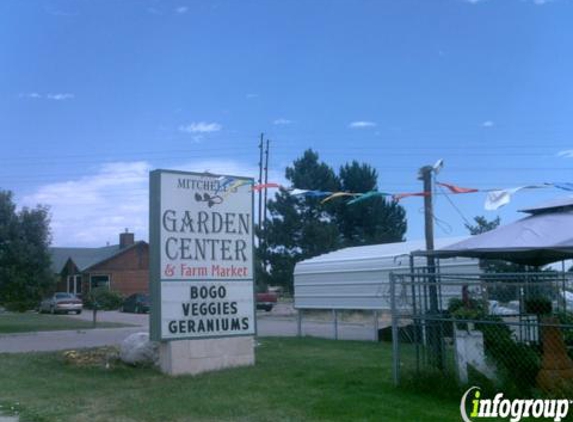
[
  {"x": 395, "y": 337},
  {"x": 335, "y": 318},
  {"x": 299, "y": 323},
  {"x": 376, "y": 327}
]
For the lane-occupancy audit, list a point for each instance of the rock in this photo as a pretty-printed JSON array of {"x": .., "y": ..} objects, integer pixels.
[{"x": 137, "y": 349}]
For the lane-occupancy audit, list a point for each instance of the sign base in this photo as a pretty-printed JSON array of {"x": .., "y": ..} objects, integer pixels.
[{"x": 192, "y": 357}]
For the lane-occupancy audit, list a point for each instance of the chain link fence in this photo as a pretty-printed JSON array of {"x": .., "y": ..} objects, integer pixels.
[{"x": 507, "y": 330}]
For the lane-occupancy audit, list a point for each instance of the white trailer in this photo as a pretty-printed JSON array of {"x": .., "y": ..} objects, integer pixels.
[{"x": 359, "y": 277}]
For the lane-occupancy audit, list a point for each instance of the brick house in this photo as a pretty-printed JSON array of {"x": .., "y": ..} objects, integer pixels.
[{"x": 123, "y": 268}]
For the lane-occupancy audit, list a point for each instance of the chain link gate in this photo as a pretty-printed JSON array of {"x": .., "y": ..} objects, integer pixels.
[{"x": 511, "y": 329}]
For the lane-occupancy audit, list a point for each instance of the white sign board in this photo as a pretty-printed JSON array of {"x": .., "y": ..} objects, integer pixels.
[{"x": 201, "y": 250}]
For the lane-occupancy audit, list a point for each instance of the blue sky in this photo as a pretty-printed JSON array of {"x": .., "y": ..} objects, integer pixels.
[{"x": 94, "y": 94}]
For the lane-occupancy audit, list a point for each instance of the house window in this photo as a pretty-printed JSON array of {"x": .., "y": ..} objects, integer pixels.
[
  {"x": 99, "y": 281},
  {"x": 74, "y": 284}
]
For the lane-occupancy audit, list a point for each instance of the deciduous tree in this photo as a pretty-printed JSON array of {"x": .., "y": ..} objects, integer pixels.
[{"x": 25, "y": 272}]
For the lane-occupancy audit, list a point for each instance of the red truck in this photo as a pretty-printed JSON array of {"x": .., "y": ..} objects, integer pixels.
[{"x": 266, "y": 301}]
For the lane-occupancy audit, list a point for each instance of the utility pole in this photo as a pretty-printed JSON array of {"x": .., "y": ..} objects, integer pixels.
[
  {"x": 434, "y": 328},
  {"x": 266, "y": 169},
  {"x": 425, "y": 174},
  {"x": 260, "y": 181}
]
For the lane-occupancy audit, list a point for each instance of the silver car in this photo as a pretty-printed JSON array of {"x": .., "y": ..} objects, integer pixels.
[{"x": 61, "y": 303}]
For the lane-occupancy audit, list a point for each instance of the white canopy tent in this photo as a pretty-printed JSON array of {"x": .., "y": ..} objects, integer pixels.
[{"x": 545, "y": 236}]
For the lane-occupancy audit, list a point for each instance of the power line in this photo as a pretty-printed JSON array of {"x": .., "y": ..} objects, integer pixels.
[{"x": 447, "y": 196}]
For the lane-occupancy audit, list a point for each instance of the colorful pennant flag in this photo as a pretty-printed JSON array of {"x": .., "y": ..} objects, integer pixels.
[
  {"x": 225, "y": 181},
  {"x": 309, "y": 193},
  {"x": 496, "y": 199},
  {"x": 235, "y": 185},
  {"x": 266, "y": 186},
  {"x": 367, "y": 195},
  {"x": 298, "y": 192},
  {"x": 338, "y": 195},
  {"x": 457, "y": 189},
  {"x": 399, "y": 196}
]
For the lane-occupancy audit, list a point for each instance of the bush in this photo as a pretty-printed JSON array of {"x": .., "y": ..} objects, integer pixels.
[
  {"x": 105, "y": 299},
  {"x": 20, "y": 306},
  {"x": 538, "y": 306},
  {"x": 518, "y": 363},
  {"x": 471, "y": 310},
  {"x": 457, "y": 306}
]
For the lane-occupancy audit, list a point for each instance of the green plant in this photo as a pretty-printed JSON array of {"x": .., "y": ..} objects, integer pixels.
[
  {"x": 566, "y": 318},
  {"x": 471, "y": 309},
  {"x": 517, "y": 363},
  {"x": 18, "y": 306},
  {"x": 459, "y": 305},
  {"x": 103, "y": 298},
  {"x": 538, "y": 305}
]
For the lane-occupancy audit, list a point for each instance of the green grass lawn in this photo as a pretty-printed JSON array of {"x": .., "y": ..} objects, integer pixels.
[
  {"x": 293, "y": 380},
  {"x": 27, "y": 322}
]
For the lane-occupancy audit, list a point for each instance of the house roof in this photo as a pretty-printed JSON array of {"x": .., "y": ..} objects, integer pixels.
[{"x": 84, "y": 258}]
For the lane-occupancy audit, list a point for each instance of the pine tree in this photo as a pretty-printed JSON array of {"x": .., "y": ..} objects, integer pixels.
[
  {"x": 370, "y": 222},
  {"x": 301, "y": 227}
]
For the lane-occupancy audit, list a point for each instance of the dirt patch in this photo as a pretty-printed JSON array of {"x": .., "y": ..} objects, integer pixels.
[{"x": 101, "y": 356}]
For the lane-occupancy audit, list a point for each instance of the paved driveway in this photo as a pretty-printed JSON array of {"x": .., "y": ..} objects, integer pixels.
[
  {"x": 268, "y": 324},
  {"x": 141, "y": 320}
]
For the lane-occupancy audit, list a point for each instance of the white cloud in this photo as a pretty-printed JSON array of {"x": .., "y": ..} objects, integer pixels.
[
  {"x": 60, "y": 97},
  {"x": 154, "y": 11},
  {"x": 55, "y": 97},
  {"x": 201, "y": 127},
  {"x": 541, "y": 2},
  {"x": 181, "y": 10},
  {"x": 488, "y": 123},
  {"x": 92, "y": 210},
  {"x": 33, "y": 95},
  {"x": 282, "y": 121},
  {"x": 360, "y": 124},
  {"x": 568, "y": 153}
]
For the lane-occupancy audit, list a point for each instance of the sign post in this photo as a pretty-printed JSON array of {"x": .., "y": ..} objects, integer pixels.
[{"x": 201, "y": 271}]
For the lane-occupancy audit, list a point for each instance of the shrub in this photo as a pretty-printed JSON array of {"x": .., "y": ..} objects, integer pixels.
[
  {"x": 518, "y": 363},
  {"x": 457, "y": 306},
  {"x": 105, "y": 299},
  {"x": 20, "y": 306},
  {"x": 538, "y": 306}
]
